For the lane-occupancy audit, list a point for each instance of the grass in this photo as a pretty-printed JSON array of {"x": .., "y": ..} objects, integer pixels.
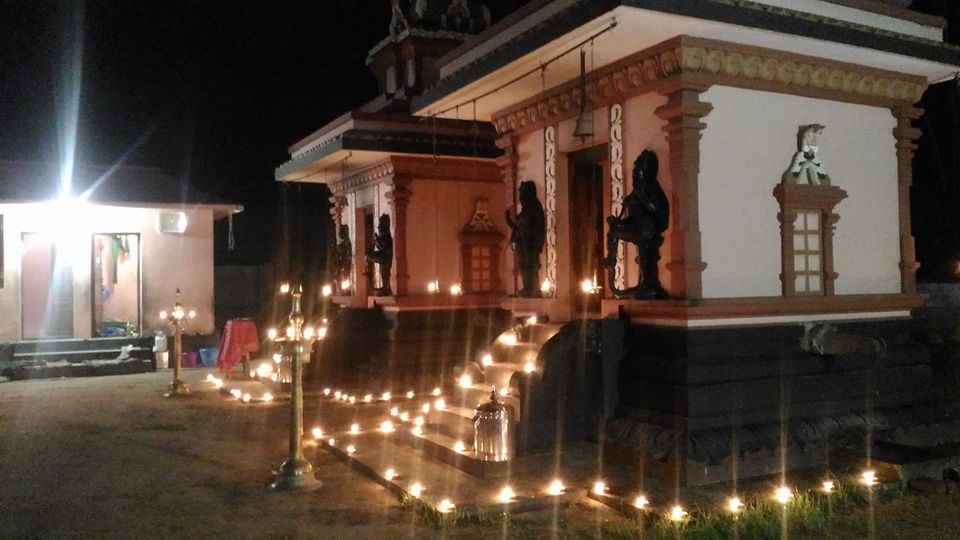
[
  {"x": 807, "y": 515},
  {"x": 845, "y": 513},
  {"x": 428, "y": 514}
]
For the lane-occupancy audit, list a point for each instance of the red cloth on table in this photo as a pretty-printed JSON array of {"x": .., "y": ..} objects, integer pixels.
[{"x": 239, "y": 338}]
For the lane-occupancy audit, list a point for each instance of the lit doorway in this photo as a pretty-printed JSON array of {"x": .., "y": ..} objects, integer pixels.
[
  {"x": 116, "y": 285},
  {"x": 46, "y": 289},
  {"x": 586, "y": 173}
]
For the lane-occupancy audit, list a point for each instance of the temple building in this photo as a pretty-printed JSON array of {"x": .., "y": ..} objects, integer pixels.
[{"x": 681, "y": 229}]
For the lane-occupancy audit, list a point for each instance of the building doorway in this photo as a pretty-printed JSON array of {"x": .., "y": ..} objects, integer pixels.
[
  {"x": 587, "y": 170},
  {"x": 46, "y": 289},
  {"x": 116, "y": 285}
]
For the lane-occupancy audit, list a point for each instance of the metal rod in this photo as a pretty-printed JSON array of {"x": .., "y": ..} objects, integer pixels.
[{"x": 543, "y": 65}]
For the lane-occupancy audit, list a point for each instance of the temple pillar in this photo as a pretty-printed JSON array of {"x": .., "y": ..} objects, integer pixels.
[
  {"x": 683, "y": 128},
  {"x": 337, "y": 202},
  {"x": 906, "y": 136},
  {"x": 508, "y": 169},
  {"x": 399, "y": 197}
]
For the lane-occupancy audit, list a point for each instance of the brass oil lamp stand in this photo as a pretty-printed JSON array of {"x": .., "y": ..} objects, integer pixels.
[
  {"x": 296, "y": 473},
  {"x": 177, "y": 317}
]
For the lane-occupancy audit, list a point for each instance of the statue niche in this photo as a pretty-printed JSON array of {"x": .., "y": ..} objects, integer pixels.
[
  {"x": 343, "y": 254},
  {"x": 643, "y": 218},
  {"x": 381, "y": 256},
  {"x": 528, "y": 232}
]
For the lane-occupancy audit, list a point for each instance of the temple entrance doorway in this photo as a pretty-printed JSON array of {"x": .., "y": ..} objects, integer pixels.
[{"x": 587, "y": 170}]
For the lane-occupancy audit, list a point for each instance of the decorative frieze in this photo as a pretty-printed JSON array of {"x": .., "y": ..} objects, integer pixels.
[
  {"x": 715, "y": 62},
  {"x": 550, "y": 202},
  {"x": 421, "y": 168},
  {"x": 799, "y": 71},
  {"x": 616, "y": 184}
]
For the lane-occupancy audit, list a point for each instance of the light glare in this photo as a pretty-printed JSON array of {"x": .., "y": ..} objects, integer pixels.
[
  {"x": 416, "y": 489},
  {"x": 783, "y": 494},
  {"x": 555, "y": 488}
]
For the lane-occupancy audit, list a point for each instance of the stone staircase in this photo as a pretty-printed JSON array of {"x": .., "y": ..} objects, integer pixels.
[{"x": 506, "y": 366}]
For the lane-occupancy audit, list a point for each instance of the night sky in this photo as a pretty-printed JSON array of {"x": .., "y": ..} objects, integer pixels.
[{"x": 214, "y": 92}]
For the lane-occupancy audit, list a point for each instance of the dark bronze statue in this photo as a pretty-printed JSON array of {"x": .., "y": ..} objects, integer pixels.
[
  {"x": 343, "y": 254},
  {"x": 528, "y": 234},
  {"x": 381, "y": 255},
  {"x": 642, "y": 220}
]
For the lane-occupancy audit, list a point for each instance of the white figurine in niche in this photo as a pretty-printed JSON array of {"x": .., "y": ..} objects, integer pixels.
[{"x": 806, "y": 167}]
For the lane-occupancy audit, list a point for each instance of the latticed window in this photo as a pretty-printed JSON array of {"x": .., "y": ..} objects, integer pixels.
[
  {"x": 807, "y": 253},
  {"x": 480, "y": 253},
  {"x": 480, "y": 277},
  {"x": 807, "y": 221}
]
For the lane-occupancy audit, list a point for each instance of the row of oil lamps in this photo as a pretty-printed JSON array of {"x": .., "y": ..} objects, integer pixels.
[
  {"x": 587, "y": 286},
  {"x": 782, "y": 494}
]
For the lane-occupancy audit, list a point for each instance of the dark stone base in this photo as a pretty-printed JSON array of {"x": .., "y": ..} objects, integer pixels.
[
  {"x": 378, "y": 350},
  {"x": 693, "y": 405},
  {"x": 85, "y": 368}
]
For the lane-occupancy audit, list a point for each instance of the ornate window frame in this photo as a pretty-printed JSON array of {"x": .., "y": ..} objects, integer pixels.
[{"x": 812, "y": 208}]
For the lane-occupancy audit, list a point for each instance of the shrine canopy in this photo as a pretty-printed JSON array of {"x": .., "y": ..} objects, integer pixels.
[
  {"x": 875, "y": 34},
  {"x": 357, "y": 140}
]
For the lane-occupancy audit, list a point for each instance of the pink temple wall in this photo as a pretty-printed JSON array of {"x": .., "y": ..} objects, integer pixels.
[{"x": 437, "y": 212}]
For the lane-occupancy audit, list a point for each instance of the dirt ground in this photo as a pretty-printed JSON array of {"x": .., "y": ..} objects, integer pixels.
[{"x": 109, "y": 457}]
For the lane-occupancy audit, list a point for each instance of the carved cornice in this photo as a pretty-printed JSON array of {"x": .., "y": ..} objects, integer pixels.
[
  {"x": 363, "y": 178},
  {"x": 420, "y": 168},
  {"x": 715, "y": 62}
]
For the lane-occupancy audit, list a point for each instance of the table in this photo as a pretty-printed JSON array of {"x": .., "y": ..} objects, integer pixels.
[{"x": 239, "y": 339}]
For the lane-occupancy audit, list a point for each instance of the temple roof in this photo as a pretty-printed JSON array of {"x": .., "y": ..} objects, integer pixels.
[
  {"x": 441, "y": 19},
  {"x": 863, "y": 32},
  {"x": 357, "y": 139}
]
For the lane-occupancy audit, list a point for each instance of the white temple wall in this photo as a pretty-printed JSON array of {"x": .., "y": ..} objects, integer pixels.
[
  {"x": 747, "y": 145},
  {"x": 530, "y": 159},
  {"x": 168, "y": 261}
]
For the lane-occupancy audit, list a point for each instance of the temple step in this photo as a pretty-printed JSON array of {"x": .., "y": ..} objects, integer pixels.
[
  {"x": 538, "y": 333},
  {"x": 454, "y": 422},
  {"x": 440, "y": 447},
  {"x": 480, "y": 393},
  {"x": 499, "y": 374}
]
